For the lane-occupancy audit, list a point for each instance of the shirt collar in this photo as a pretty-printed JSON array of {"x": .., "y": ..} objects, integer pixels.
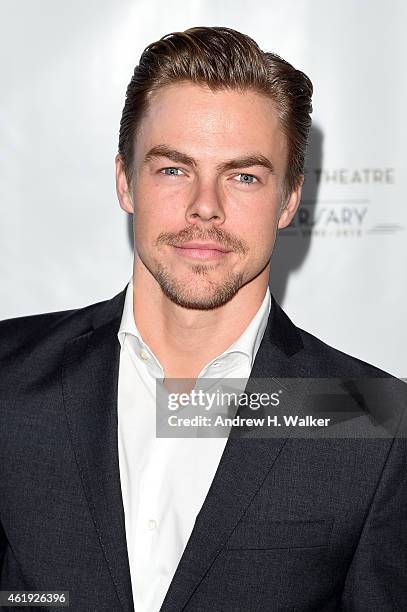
[
  {"x": 248, "y": 342},
  {"x": 128, "y": 324}
]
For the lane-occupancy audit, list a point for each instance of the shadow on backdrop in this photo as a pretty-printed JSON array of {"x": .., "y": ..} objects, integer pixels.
[{"x": 293, "y": 243}]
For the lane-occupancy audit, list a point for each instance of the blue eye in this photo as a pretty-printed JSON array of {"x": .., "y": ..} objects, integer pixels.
[
  {"x": 248, "y": 179},
  {"x": 171, "y": 171}
]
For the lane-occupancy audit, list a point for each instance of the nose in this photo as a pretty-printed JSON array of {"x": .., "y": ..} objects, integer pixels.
[{"x": 206, "y": 206}]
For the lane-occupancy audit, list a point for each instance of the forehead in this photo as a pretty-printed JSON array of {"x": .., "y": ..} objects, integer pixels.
[{"x": 219, "y": 123}]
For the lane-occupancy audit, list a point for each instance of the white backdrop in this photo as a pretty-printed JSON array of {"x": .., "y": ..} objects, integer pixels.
[{"x": 339, "y": 271}]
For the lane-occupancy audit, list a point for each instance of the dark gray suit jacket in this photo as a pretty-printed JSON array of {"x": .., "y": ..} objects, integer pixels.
[{"x": 288, "y": 524}]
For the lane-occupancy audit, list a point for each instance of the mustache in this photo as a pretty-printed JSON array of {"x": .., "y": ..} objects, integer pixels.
[{"x": 189, "y": 234}]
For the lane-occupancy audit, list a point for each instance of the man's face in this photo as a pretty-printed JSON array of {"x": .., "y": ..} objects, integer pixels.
[{"x": 206, "y": 191}]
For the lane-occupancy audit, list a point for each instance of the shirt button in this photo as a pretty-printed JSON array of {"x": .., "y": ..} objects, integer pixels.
[
  {"x": 152, "y": 524},
  {"x": 144, "y": 355},
  {"x": 216, "y": 364}
]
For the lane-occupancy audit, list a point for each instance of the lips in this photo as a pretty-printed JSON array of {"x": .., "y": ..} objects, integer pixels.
[
  {"x": 202, "y": 251},
  {"x": 210, "y": 246}
]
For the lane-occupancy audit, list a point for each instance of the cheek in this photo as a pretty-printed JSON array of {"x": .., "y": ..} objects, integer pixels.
[
  {"x": 159, "y": 208},
  {"x": 258, "y": 225},
  {"x": 152, "y": 215}
]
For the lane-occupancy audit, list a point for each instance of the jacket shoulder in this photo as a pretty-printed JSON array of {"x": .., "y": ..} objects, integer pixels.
[
  {"x": 325, "y": 360},
  {"x": 32, "y": 347},
  {"x": 46, "y": 331}
]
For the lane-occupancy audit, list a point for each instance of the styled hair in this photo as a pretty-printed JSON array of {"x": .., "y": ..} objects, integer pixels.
[{"x": 221, "y": 58}]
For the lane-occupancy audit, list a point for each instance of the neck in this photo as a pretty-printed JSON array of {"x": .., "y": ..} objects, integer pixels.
[{"x": 184, "y": 340}]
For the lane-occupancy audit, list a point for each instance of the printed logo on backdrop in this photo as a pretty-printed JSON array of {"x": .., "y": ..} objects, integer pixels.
[{"x": 344, "y": 206}]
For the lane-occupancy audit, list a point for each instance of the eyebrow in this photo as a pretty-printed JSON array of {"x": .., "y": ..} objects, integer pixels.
[{"x": 254, "y": 159}]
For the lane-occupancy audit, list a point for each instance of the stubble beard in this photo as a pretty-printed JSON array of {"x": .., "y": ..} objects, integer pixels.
[{"x": 216, "y": 293}]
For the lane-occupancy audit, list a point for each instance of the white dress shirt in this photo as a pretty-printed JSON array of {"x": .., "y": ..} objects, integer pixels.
[{"x": 164, "y": 481}]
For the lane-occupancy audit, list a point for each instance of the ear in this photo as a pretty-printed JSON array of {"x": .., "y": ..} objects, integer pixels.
[
  {"x": 289, "y": 209},
  {"x": 122, "y": 187}
]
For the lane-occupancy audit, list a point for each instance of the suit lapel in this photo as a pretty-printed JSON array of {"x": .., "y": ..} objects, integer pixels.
[
  {"x": 89, "y": 381},
  {"x": 242, "y": 469}
]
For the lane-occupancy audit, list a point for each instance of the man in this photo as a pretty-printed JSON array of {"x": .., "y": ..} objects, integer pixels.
[{"x": 210, "y": 164}]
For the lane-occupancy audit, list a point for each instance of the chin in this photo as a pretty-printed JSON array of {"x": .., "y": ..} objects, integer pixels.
[{"x": 198, "y": 293}]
